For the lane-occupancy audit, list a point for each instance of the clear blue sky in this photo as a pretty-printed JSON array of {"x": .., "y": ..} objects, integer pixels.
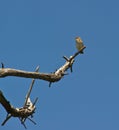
[{"x": 40, "y": 32}]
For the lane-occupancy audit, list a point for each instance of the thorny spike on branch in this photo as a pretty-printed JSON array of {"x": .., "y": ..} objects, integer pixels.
[{"x": 2, "y": 65}]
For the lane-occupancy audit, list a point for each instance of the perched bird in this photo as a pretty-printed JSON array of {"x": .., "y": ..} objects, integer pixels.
[{"x": 79, "y": 44}]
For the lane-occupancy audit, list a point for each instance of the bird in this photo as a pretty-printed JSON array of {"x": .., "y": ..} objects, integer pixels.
[{"x": 79, "y": 44}]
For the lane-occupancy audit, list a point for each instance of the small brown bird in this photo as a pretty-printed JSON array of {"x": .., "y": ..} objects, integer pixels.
[{"x": 79, "y": 44}]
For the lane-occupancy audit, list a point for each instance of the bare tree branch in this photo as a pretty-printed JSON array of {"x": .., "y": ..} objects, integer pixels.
[
  {"x": 22, "y": 113},
  {"x": 30, "y": 88},
  {"x": 28, "y": 108},
  {"x": 51, "y": 77}
]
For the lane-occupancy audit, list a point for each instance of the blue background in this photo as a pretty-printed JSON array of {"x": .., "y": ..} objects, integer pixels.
[{"x": 40, "y": 32}]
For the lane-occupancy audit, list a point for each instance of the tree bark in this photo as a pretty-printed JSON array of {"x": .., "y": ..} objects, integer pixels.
[{"x": 51, "y": 77}]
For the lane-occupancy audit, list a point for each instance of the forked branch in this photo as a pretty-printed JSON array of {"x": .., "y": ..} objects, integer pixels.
[{"x": 22, "y": 113}]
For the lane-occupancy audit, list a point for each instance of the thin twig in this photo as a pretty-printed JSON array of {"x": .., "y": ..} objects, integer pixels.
[
  {"x": 7, "y": 118},
  {"x": 30, "y": 88}
]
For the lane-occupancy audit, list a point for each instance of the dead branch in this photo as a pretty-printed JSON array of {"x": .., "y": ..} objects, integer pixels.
[
  {"x": 28, "y": 108},
  {"x": 30, "y": 89},
  {"x": 51, "y": 77},
  {"x": 22, "y": 113}
]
